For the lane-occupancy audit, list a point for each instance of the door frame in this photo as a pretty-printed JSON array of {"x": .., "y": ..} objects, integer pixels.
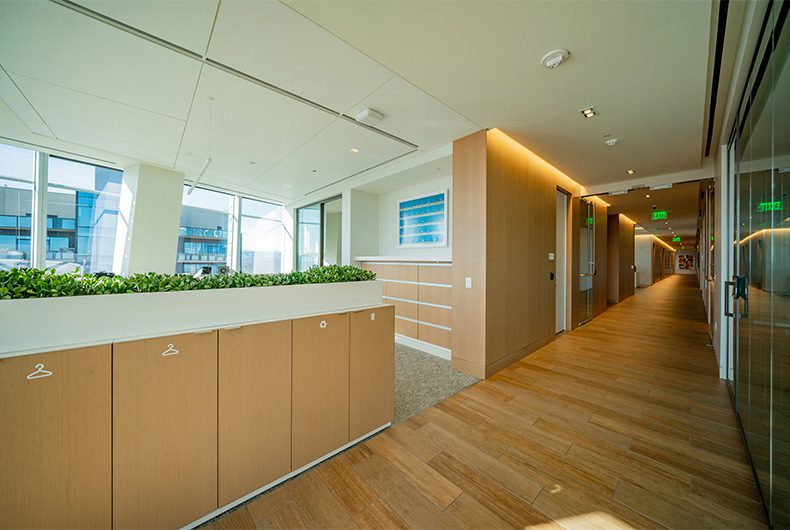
[{"x": 561, "y": 274}]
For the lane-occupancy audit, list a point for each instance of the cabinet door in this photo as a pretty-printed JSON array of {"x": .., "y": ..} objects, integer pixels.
[
  {"x": 55, "y": 446},
  {"x": 372, "y": 370},
  {"x": 164, "y": 430},
  {"x": 254, "y": 407},
  {"x": 320, "y": 387}
]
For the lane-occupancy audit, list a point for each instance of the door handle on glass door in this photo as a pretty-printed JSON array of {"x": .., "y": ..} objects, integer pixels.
[{"x": 727, "y": 285}]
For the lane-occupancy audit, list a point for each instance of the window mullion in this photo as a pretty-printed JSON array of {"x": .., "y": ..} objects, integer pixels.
[{"x": 38, "y": 229}]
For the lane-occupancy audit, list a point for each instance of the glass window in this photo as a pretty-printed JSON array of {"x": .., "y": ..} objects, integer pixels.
[
  {"x": 81, "y": 237},
  {"x": 203, "y": 235},
  {"x": 262, "y": 237},
  {"x": 308, "y": 233},
  {"x": 17, "y": 171}
]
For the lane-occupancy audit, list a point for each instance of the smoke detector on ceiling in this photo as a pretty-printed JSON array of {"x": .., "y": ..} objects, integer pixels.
[
  {"x": 611, "y": 142},
  {"x": 369, "y": 116},
  {"x": 555, "y": 58}
]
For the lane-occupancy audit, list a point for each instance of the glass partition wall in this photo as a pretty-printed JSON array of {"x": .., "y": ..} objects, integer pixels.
[
  {"x": 758, "y": 295},
  {"x": 586, "y": 259},
  {"x": 319, "y": 234}
]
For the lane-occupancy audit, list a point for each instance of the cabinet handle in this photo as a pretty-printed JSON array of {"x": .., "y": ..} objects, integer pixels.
[
  {"x": 39, "y": 372},
  {"x": 231, "y": 328},
  {"x": 204, "y": 332},
  {"x": 373, "y": 315},
  {"x": 322, "y": 324},
  {"x": 169, "y": 351}
]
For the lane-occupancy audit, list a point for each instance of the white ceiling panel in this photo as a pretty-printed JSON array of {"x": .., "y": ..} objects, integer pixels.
[
  {"x": 245, "y": 109},
  {"x": 103, "y": 124},
  {"x": 329, "y": 154},
  {"x": 230, "y": 156},
  {"x": 186, "y": 24},
  {"x": 20, "y": 106},
  {"x": 415, "y": 116},
  {"x": 46, "y": 41},
  {"x": 278, "y": 45}
]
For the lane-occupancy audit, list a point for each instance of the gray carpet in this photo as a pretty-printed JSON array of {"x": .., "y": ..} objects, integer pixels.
[{"x": 422, "y": 379}]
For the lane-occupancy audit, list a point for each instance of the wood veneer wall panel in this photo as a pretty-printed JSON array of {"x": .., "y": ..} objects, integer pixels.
[
  {"x": 409, "y": 273},
  {"x": 55, "y": 450},
  {"x": 507, "y": 196},
  {"x": 613, "y": 259},
  {"x": 405, "y": 309},
  {"x": 164, "y": 431},
  {"x": 601, "y": 266},
  {"x": 434, "y": 315},
  {"x": 407, "y": 291},
  {"x": 254, "y": 407},
  {"x": 406, "y": 328},
  {"x": 627, "y": 257},
  {"x": 440, "y": 337},
  {"x": 435, "y": 274},
  {"x": 435, "y": 295},
  {"x": 469, "y": 248},
  {"x": 372, "y": 370},
  {"x": 320, "y": 387}
]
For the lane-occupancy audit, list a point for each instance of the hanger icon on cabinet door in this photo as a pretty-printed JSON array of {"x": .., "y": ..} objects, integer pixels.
[
  {"x": 39, "y": 372},
  {"x": 169, "y": 351}
]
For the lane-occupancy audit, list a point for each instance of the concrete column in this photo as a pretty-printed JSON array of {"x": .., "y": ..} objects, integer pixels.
[{"x": 149, "y": 216}]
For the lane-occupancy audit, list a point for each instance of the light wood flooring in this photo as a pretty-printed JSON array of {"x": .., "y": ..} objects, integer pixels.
[{"x": 621, "y": 423}]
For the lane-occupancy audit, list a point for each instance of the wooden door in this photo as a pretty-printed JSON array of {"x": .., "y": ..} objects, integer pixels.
[
  {"x": 164, "y": 430},
  {"x": 254, "y": 407},
  {"x": 55, "y": 446},
  {"x": 372, "y": 370},
  {"x": 320, "y": 387}
]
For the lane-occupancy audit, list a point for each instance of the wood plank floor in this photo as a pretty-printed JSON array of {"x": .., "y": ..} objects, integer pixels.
[{"x": 621, "y": 423}]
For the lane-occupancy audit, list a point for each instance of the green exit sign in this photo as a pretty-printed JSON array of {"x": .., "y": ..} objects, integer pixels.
[
  {"x": 659, "y": 215},
  {"x": 774, "y": 206},
  {"x": 676, "y": 239}
]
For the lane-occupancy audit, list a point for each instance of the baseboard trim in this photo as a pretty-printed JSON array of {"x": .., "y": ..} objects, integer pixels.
[
  {"x": 280, "y": 480},
  {"x": 426, "y": 347}
]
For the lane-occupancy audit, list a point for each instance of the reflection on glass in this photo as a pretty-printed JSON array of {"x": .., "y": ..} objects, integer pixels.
[
  {"x": 308, "y": 234},
  {"x": 586, "y": 259},
  {"x": 761, "y": 253},
  {"x": 262, "y": 237},
  {"x": 82, "y": 214},
  {"x": 203, "y": 235},
  {"x": 332, "y": 232},
  {"x": 17, "y": 169}
]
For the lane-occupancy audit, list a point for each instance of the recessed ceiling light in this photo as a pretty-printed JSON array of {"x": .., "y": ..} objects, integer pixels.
[
  {"x": 647, "y": 196},
  {"x": 555, "y": 58},
  {"x": 630, "y": 171},
  {"x": 611, "y": 142},
  {"x": 252, "y": 163},
  {"x": 315, "y": 171},
  {"x": 589, "y": 112},
  {"x": 286, "y": 185},
  {"x": 354, "y": 150}
]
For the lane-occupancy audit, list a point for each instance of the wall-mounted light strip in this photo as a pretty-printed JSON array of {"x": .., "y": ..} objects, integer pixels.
[
  {"x": 673, "y": 249},
  {"x": 759, "y": 232}
]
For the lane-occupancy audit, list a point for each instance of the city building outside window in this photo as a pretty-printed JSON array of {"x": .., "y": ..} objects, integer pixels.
[
  {"x": 203, "y": 234},
  {"x": 17, "y": 173}
]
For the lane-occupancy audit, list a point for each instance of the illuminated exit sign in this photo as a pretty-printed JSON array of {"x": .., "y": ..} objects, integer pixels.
[
  {"x": 676, "y": 239},
  {"x": 659, "y": 215},
  {"x": 775, "y": 206}
]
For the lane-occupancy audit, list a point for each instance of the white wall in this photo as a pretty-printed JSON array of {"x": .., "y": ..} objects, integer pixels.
[
  {"x": 388, "y": 220},
  {"x": 363, "y": 228},
  {"x": 643, "y": 260}
]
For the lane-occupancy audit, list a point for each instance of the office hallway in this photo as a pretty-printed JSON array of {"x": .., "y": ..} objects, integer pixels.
[{"x": 621, "y": 423}]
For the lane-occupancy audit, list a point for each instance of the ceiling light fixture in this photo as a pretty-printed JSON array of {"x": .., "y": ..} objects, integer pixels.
[
  {"x": 589, "y": 112},
  {"x": 619, "y": 192},
  {"x": 354, "y": 150},
  {"x": 661, "y": 187},
  {"x": 369, "y": 116},
  {"x": 630, "y": 171},
  {"x": 555, "y": 58},
  {"x": 611, "y": 142},
  {"x": 647, "y": 196}
]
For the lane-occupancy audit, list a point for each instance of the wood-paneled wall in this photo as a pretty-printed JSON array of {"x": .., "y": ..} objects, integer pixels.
[
  {"x": 422, "y": 295},
  {"x": 504, "y": 197},
  {"x": 620, "y": 257}
]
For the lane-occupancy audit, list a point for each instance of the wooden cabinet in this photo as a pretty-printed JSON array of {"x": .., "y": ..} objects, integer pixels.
[
  {"x": 164, "y": 430},
  {"x": 55, "y": 446},
  {"x": 372, "y": 370},
  {"x": 320, "y": 387},
  {"x": 254, "y": 407}
]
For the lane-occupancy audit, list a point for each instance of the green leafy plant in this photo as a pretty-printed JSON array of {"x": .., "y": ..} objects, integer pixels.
[{"x": 46, "y": 283}]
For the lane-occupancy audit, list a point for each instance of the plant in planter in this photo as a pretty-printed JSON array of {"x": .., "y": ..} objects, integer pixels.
[{"x": 46, "y": 283}]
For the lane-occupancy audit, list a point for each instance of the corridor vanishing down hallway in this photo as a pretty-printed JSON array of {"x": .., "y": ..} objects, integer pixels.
[{"x": 621, "y": 423}]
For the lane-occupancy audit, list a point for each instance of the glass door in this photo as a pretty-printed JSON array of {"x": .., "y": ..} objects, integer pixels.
[{"x": 586, "y": 259}]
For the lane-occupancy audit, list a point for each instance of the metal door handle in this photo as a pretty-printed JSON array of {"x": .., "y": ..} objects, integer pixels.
[{"x": 727, "y": 296}]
